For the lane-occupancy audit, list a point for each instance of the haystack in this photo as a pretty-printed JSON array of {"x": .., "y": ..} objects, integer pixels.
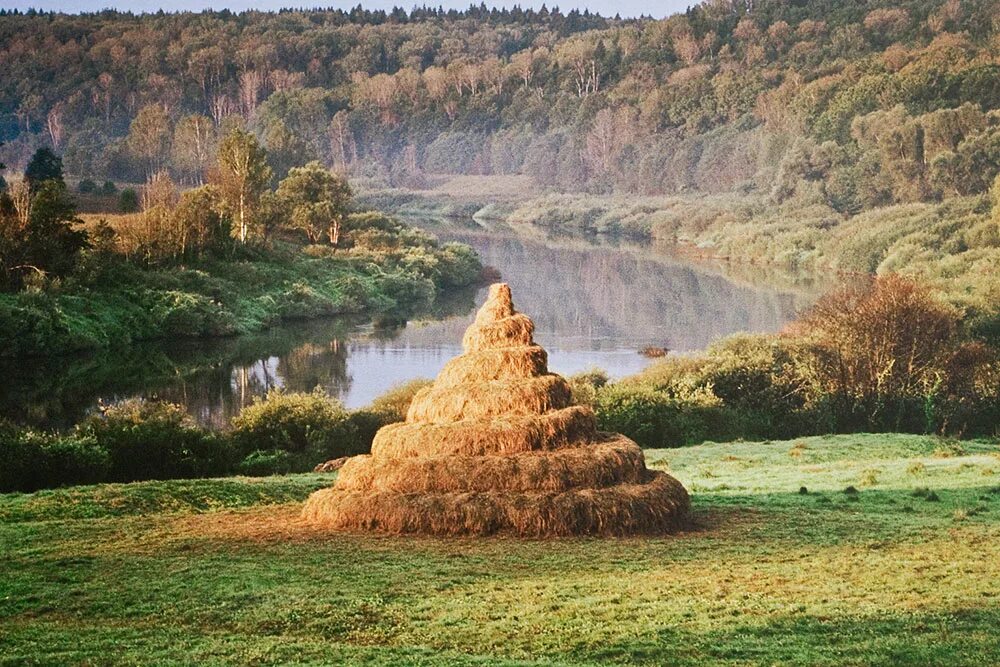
[{"x": 496, "y": 445}]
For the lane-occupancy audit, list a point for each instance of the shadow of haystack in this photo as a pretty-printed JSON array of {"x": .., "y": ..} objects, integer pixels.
[{"x": 496, "y": 445}]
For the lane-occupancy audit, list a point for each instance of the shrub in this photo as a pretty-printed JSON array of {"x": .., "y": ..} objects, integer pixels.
[
  {"x": 261, "y": 463},
  {"x": 155, "y": 440},
  {"x": 459, "y": 266},
  {"x": 365, "y": 424},
  {"x": 893, "y": 357},
  {"x": 86, "y": 187},
  {"x": 393, "y": 404},
  {"x": 33, "y": 460},
  {"x": 128, "y": 201},
  {"x": 311, "y": 428},
  {"x": 109, "y": 189},
  {"x": 653, "y": 419},
  {"x": 586, "y": 384}
]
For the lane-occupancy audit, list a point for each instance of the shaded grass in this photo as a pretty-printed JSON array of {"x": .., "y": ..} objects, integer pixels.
[{"x": 767, "y": 574}]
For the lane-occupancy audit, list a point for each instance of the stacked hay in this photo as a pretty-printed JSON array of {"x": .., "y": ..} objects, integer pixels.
[{"x": 496, "y": 445}]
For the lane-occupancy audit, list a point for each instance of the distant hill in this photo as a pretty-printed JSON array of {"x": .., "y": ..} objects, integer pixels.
[{"x": 850, "y": 104}]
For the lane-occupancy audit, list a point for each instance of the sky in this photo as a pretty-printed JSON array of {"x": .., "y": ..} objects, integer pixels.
[{"x": 627, "y": 8}]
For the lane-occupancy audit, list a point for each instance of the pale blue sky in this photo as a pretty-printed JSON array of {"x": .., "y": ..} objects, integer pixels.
[{"x": 656, "y": 8}]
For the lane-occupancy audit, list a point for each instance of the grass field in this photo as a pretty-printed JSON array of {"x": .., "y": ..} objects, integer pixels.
[{"x": 903, "y": 568}]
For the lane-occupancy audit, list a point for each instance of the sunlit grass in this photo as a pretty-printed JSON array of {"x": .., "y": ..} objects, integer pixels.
[{"x": 222, "y": 571}]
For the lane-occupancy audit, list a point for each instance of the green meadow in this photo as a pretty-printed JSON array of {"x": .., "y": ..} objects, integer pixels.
[{"x": 855, "y": 549}]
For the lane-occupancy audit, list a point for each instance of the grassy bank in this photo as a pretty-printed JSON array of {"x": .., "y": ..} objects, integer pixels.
[
  {"x": 118, "y": 303},
  {"x": 955, "y": 244},
  {"x": 221, "y": 572}
]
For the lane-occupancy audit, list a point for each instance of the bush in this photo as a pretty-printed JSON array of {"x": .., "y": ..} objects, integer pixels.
[
  {"x": 653, "y": 419},
  {"x": 459, "y": 266},
  {"x": 895, "y": 358},
  {"x": 109, "y": 189},
  {"x": 261, "y": 463},
  {"x": 128, "y": 201},
  {"x": 155, "y": 440},
  {"x": 33, "y": 460},
  {"x": 393, "y": 404},
  {"x": 310, "y": 428},
  {"x": 87, "y": 187},
  {"x": 585, "y": 385},
  {"x": 365, "y": 424}
]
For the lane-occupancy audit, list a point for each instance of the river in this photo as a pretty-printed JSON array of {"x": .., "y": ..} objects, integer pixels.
[{"x": 595, "y": 304}]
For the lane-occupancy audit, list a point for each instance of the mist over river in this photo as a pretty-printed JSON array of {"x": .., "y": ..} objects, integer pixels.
[{"x": 595, "y": 304}]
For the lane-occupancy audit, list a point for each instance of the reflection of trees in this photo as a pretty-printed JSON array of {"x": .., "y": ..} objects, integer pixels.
[
  {"x": 214, "y": 378},
  {"x": 581, "y": 297},
  {"x": 316, "y": 365}
]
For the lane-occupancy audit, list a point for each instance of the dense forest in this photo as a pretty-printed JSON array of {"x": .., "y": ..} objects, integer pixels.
[{"x": 847, "y": 105}]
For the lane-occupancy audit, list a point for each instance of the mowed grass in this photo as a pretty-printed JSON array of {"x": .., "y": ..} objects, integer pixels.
[{"x": 904, "y": 568}]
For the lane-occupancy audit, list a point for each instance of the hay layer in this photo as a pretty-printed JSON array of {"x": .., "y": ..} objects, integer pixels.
[
  {"x": 660, "y": 505},
  {"x": 503, "y": 435},
  {"x": 485, "y": 400},
  {"x": 615, "y": 461},
  {"x": 506, "y": 363},
  {"x": 513, "y": 331}
]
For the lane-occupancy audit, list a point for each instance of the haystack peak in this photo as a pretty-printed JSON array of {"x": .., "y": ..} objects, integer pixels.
[{"x": 499, "y": 304}]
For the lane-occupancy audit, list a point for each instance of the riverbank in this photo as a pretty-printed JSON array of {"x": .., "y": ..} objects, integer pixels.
[
  {"x": 116, "y": 303},
  {"x": 825, "y": 552},
  {"x": 954, "y": 244}
]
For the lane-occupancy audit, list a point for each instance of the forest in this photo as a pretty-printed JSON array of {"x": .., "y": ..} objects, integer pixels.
[{"x": 850, "y": 105}]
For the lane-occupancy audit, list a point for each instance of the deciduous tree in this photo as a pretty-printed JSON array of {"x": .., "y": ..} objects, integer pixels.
[
  {"x": 243, "y": 176},
  {"x": 317, "y": 201}
]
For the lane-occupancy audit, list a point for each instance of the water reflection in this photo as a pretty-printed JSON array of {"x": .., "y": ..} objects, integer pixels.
[{"x": 594, "y": 305}]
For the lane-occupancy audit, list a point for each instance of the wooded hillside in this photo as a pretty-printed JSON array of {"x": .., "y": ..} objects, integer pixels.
[{"x": 850, "y": 105}]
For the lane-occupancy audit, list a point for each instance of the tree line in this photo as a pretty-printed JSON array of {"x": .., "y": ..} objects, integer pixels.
[
  {"x": 850, "y": 104},
  {"x": 41, "y": 236}
]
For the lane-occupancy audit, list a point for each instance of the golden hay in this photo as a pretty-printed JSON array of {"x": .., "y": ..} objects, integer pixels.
[
  {"x": 503, "y": 435},
  {"x": 513, "y": 331},
  {"x": 499, "y": 304},
  {"x": 615, "y": 461},
  {"x": 496, "y": 446},
  {"x": 490, "y": 399},
  {"x": 506, "y": 363},
  {"x": 659, "y": 505}
]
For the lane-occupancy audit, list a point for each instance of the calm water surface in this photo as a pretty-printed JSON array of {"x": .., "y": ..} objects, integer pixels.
[{"x": 594, "y": 303}]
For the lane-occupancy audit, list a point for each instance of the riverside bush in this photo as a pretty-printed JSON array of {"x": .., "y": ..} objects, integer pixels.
[
  {"x": 883, "y": 356},
  {"x": 34, "y": 460},
  {"x": 309, "y": 428},
  {"x": 155, "y": 440},
  {"x": 654, "y": 419}
]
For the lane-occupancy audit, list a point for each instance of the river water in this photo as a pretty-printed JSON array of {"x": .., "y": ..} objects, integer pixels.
[{"x": 595, "y": 304}]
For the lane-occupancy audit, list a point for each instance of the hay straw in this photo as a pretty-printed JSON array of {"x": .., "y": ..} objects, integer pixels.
[
  {"x": 660, "y": 505},
  {"x": 496, "y": 446},
  {"x": 485, "y": 400},
  {"x": 616, "y": 461},
  {"x": 499, "y": 304},
  {"x": 513, "y": 331},
  {"x": 504, "y": 435},
  {"x": 505, "y": 363}
]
